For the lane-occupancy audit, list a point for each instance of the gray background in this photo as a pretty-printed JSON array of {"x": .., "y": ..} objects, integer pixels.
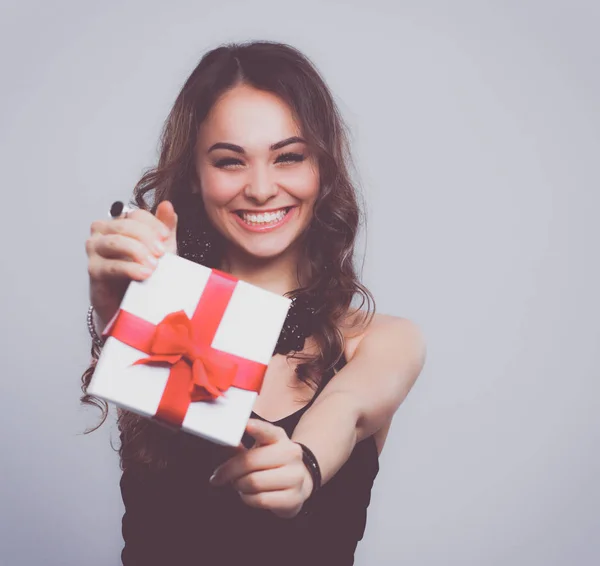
[{"x": 476, "y": 133}]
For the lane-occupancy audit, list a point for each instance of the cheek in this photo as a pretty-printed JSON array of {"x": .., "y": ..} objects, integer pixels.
[
  {"x": 303, "y": 184},
  {"x": 219, "y": 187}
]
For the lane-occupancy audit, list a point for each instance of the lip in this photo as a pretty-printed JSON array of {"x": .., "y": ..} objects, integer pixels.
[
  {"x": 262, "y": 210},
  {"x": 270, "y": 227}
]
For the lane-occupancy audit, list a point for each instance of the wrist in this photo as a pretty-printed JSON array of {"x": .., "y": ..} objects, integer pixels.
[
  {"x": 307, "y": 485},
  {"x": 99, "y": 323},
  {"x": 95, "y": 327},
  {"x": 312, "y": 478}
]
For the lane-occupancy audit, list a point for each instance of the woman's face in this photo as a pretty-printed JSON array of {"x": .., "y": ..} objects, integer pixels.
[{"x": 258, "y": 181}]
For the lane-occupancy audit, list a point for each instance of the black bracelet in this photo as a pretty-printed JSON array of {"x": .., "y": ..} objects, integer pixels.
[{"x": 313, "y": 467}]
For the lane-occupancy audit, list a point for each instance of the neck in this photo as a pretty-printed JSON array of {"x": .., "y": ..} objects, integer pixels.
[{"x": 278, "y": 274}]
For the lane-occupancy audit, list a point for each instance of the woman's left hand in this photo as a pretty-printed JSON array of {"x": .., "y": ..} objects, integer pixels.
[{"x": 271, "y": 475}]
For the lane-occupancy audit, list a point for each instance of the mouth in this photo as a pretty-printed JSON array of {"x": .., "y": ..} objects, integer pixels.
[{"x": 263, "y": 220}]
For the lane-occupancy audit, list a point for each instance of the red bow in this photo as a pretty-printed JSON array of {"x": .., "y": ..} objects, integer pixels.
[
  {"x": 198, "y": 372},
  {"x": 209, "y": 373}
]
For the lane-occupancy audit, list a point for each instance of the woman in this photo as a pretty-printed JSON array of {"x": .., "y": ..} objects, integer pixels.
[{"x": 253, "y": 179}]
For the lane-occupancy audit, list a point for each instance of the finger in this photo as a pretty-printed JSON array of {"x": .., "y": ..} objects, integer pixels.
[
  {"x": 264, "y": 432},
  {"x": 269, "y": 480},
  {"x": 232, "y": 451},
  {"x": 117, "y": 246},
  {"x": 136, "y": 228},
  {"x": 263, "y": 458},
  {"x": 146, "y": 217},
  {"x": 98, "y": 227},
  {"x": 240, "y": 448},
  {"x": 100, "y": 269}
]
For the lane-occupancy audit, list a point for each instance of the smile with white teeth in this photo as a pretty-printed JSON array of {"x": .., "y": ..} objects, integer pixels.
[{"x": 263, "y": 218}]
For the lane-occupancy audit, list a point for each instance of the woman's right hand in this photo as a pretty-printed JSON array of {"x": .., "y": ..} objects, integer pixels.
[{"x": 125, "y": 249}]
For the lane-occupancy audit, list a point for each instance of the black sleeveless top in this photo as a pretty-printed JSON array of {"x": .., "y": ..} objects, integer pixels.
[{"x": 174, "y": 517}]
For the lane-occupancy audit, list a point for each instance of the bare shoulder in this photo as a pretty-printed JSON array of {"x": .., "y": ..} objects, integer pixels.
[{"x": 382, "y": 331}]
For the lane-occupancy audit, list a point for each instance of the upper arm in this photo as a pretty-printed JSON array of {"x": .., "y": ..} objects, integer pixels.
[{"x": 383, "y": 365}]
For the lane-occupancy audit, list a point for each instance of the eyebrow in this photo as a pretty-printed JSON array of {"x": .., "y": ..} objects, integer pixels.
[{"x": 240, "y": 149}]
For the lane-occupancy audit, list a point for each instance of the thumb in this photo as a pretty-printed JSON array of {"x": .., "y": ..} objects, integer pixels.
[
  {"x": 167, "y": 215},
  {"x": 265, "y": 432}
]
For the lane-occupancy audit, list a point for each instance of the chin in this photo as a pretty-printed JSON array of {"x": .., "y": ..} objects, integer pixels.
[
  {"x": 264, "y": 247},
  {"x": 264, "y": 253}
]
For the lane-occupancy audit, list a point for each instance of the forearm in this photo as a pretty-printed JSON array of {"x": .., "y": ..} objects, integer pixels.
[
  {"x": 363, "y": 396},
  {"x": 329, "y": 429}
]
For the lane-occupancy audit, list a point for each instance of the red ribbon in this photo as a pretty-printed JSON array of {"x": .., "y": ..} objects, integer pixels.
[{"x": 199, "y": 372}]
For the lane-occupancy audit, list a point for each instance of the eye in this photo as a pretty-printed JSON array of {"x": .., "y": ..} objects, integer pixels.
[
  {"x": 290, "y": 157},
  {"x": 227, "y": 163}
]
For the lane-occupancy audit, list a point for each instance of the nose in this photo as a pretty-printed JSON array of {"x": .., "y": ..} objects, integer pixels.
[{"x": 261, "y": 187}]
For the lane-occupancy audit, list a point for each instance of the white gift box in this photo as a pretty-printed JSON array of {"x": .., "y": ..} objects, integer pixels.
[{"x": 249, "y": 329}]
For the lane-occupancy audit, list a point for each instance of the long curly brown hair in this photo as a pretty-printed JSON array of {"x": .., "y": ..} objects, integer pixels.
[{"x": 327, "y": 272}]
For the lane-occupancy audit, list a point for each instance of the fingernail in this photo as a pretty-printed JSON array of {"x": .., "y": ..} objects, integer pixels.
[
  {"x": 164, "y": 232},
  {"x": 145, "y": 270},
  {"x": 152, "y": 260},
  {"x": 160, "y": 247}
]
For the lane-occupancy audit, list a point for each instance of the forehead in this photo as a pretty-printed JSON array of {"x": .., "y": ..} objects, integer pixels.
[{"x": 252, "y": 118}]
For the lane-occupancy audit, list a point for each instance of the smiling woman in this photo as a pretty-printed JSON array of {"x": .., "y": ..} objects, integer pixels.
[{"x": 252, "y": 179}]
